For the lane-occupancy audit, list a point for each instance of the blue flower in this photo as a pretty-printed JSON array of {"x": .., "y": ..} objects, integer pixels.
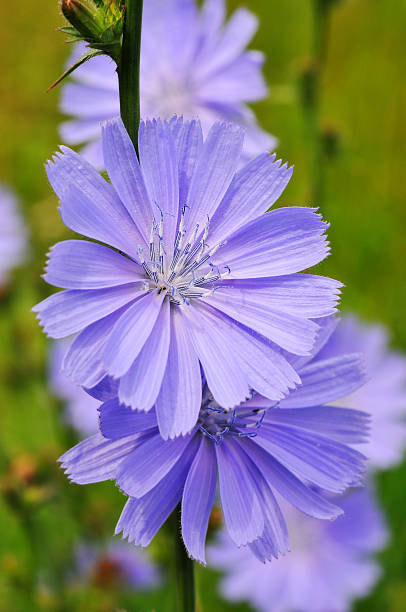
[
  {"x": 198, "y": 276},
  {"x": 383, "y": 396},
  {"x": 13, "y": 235},
  {"x": 116, "y": 564},
  {"x": 80, "y": 408},
  {"x": 330, "y": 564},
  {"x": 192, "y": 63},
  {"x": 256, "y": 449}
]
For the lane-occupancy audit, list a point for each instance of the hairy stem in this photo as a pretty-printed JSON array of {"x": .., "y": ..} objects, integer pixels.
[{"x": 184, "y": 569}]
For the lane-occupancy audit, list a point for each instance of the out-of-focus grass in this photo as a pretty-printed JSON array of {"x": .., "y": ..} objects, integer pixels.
[{"x": 363, "y": 100}]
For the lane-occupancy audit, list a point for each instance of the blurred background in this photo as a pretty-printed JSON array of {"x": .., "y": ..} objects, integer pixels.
[{"x": 337, "y": 104}]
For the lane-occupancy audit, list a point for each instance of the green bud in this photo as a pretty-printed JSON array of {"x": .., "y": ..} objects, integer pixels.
[{"x": 97, "y": 22}]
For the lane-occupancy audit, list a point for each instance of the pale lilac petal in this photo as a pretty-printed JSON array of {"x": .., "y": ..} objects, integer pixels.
[
  {"x": 283, "y": 241},
  {"x": 235, "y": 36},
  {"x": 294, "y": 334},
  {"x": 67, "y": 312},
  {"x": 234, "y": 358},
  {"x": 139, "y": 387},
  {"x": 153, "y": 459},
  {"x": 326, "y": 380},
  {"x": 188, "y": 143},
  {"x": 159, "y": 165},
  {"x": 213, "y": 173},
  {"x": 224, "y": 375},
  {"x": 252, "y": 192},
  {"x": 89, "y": 204},
  {"x": 179, "y": 399},
  {"x": 83, "y": 362},
  {"x": 79, "y": 264},
  {"x": 131, "y": 332},
  {"x": 124, "y": 171},
  {"x": 198, "y": 498}
]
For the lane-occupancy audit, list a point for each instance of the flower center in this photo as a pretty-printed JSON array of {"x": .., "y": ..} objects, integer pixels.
[
  {"x": 188, "y": 272},
  {"x": 216, "y": 423}
]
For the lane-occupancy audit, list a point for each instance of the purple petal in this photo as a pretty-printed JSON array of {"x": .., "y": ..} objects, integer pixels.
[
  {"x": 288, "y": 485},
  {"x": 149, "y": 464},
  {"x": 97, "y": 459},
  {"x": 282, "y": 241},
  {"x": 142, "y": 518},
  {"x": 198, "y": 498},
  {"x": 242, "y": 510},
  {"x": 340, "y": 424},
  {"x": 67, "y": 312},
  {"x": 118, "y": 421},
  {"x": 179, "y": 399},
  {"x": 105, "y": 390},
  {"x": 140, "y": 386},
  {"x": 79, "y": 264},
  {"x": 275, "y": 539},
  {"x": 325, "y": 463},
  {"x": 131, "y": 332},
  {"x": 326, "y": 380}
]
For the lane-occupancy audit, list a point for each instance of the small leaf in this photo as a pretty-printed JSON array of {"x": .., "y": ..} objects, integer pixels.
[{"x": 87, "y": 56}]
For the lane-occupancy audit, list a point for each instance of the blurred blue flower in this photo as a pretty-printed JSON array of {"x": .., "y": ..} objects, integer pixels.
[
  {"x": 199, "y": 275},
  {"x": 13, "y": 235},
  {"x": 257, "y": 448},
  {"x": 330, "y": 565},
  {"x": 384, "y": 394},
  {"x": 80, "y": 409},
  {"x": 116, "y": 564},
  {"x": 193, "y": 63}
]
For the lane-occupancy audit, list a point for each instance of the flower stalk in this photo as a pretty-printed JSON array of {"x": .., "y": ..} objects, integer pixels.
[{"x": 129, "y": 69}]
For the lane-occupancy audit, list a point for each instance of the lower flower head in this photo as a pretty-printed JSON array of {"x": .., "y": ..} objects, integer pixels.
[{"x": 256, "y": 449}]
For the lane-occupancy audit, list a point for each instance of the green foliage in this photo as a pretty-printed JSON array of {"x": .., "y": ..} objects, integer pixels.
[{"x": 363, "y": 96}]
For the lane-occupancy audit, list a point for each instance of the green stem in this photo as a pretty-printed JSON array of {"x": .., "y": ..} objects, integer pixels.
[
  {"x": 184, "y": 570},
  {"x": 312, "y": 92},
  {"x": 129, "y": 69}
]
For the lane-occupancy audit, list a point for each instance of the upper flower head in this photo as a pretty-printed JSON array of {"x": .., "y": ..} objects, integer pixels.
[
  {"x": 13, "y": 237},
  {"x": 329, "y": 566},
  {"x": 199, "y": 275},
  {"x": 256, "y": 449},
  {"x": 192, "y": 63}
]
